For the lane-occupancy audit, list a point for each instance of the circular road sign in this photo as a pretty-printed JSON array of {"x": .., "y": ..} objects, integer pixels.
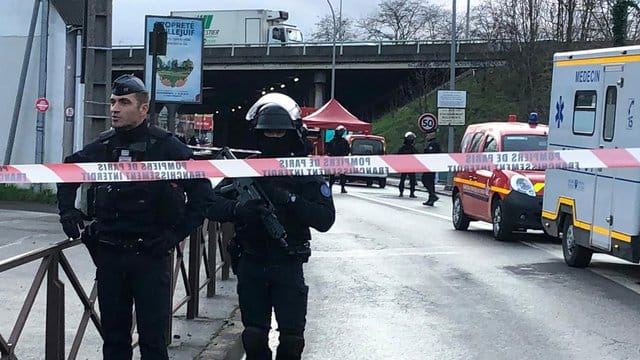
[
  {"x": 42, "y": 104},
  {"x": 427, "y": 123}
]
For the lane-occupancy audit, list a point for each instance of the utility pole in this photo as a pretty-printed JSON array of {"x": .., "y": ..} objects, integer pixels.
[
  {"x": 42, "y": 80},
  {"x": 466, "y": 28},
  {"x": 96, "y": 45},
  {"x": 333, "y": 56},
  {"x": 452, "y": 82}
]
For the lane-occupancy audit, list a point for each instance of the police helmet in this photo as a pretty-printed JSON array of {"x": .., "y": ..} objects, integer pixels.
[
  {"x": 533, "y": 117},
  {"x": 273, "y": 117},
  {"x": 283, "y": 100},
  {"x": 409, "y": 136},
  {"x": 340, "y": 130},
  {"x": 127, "y": 84}
]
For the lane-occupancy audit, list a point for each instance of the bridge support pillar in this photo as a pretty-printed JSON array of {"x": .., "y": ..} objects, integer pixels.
[
  {"x": 172, "y": 110},
  {"x": 319, "y": 82}
]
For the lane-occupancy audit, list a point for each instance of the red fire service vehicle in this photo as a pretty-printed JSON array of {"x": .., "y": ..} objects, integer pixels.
[{"x": 510, "y": 200}]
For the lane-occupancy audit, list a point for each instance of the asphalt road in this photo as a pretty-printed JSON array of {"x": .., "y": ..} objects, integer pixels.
[{"x": 393, "y": 280}]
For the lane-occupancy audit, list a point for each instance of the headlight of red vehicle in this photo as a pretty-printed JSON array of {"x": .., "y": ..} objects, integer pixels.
[{"x": 522, "y": 184}]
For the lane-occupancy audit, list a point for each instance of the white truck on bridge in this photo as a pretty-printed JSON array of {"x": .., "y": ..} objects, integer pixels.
[{"x": 245, "y": 26}]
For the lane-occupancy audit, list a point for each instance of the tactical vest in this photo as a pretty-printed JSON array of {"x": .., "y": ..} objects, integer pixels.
[{"x": 136, "y": 208}]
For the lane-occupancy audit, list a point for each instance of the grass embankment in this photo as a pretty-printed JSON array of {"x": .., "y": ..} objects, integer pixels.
[
  {"x": 488, "y": 99},
  {"x": 14, "y": 193}
]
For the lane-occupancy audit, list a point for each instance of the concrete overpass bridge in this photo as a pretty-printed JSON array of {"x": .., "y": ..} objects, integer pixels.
[
  {"x": 371, "y": 77},
  {"x": 311, "y": 64}
]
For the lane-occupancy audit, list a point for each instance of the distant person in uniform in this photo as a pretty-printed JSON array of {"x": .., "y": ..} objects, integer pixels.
[
  {"x": 308, "y": 146},
  {"x": 432, "y": 146},
  {"x": 408, "y": 148},
  {"x": 338, "y": 146}
]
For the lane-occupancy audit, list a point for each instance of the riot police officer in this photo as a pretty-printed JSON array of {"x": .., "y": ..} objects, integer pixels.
[
  {"x": 270, "y": 272},
  {"x": 408, "y": 148},
  {"x": 338, "y": 146},
  {"x": 429, "y": 178},
  {"x": 136, "y": 224}
]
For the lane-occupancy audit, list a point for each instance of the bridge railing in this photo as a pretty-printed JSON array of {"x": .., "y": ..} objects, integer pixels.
[
  {"x": 340, "y": 46},
  {"x": 202, "y": 252}
]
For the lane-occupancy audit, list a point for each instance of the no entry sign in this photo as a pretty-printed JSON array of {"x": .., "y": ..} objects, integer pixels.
[
  {"x": 42, "y": 104},
  {"x": 427, "y": 123}
]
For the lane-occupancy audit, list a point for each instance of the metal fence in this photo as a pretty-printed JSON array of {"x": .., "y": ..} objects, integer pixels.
[{"x": 203, "y": 245}]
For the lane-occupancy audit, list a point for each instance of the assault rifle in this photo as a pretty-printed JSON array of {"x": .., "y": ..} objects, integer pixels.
[{"x": 248, "y": 189}]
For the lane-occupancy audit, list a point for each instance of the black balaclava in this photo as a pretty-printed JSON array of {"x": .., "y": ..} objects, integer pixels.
[{"x": 277, "y": 147}]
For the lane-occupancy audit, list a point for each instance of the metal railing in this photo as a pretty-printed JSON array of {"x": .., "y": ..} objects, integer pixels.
[
  {"x": 380, "y": 44},
  {"x": 202, "y": 250}
]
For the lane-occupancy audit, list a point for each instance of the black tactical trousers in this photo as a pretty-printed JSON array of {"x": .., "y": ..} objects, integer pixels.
[
  {"x": 263, "y": 287},
  {"x": 343, "y": 180},
  {"x": 429, "y": 182},
  {"x": 125, "y": 278},
  {"x": 412, "y": 182}
]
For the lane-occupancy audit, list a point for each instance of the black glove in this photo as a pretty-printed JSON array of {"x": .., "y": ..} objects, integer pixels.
[
  {"x": 251, "y": 212},
  {"x": 72, "y": 221},
  {"x": 161, "y": 245},
  {"x": 279, "y": 196}
]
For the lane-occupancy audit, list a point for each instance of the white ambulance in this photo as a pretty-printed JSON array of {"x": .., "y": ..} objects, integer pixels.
[{"x": 595, "y": 103}]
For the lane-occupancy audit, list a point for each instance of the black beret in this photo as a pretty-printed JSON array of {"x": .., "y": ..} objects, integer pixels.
[{"x": 127, "y": 84}]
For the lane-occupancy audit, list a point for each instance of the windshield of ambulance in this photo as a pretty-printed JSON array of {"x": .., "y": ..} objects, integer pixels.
[
  {"x": 524, "y": 142},
  {"x": 366, "y": 147}
]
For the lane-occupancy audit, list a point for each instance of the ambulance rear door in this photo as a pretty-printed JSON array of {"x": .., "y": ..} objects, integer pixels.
[{"x": 605, "y": 178}]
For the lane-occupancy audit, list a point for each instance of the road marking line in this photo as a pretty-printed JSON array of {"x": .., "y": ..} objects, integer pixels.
[
  {"x": 17, "y": 242},
  {"x": 442, "y": 217}
]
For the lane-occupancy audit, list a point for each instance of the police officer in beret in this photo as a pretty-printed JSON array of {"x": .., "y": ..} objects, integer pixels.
[
  {"x": 270, "y": 272},
  {"x": 135, "y": 224}
]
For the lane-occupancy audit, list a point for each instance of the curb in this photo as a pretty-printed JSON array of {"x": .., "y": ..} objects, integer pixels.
[{"x": 226, "y": 344}]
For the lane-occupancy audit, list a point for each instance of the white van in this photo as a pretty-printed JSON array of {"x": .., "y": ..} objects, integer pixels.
[{"x": 595, "y": 100}]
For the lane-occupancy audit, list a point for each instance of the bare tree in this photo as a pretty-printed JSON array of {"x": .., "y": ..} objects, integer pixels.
[
  {"x": 324, "y": 29},
  {"x": 403, "y": 20}
]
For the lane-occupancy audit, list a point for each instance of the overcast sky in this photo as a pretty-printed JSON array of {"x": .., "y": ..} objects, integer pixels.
[{"x": 128, "y": 15}]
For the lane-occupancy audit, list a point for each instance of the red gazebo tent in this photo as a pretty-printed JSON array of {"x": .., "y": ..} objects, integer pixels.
[{"x": 333, "y": 114}]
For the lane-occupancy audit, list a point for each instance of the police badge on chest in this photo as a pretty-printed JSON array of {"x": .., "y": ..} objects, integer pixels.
[
  {"x": 133, "y": 152},
  {"x": 124, "y": 156}
]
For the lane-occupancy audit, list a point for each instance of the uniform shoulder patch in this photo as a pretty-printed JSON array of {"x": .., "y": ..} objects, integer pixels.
[{"x": 325, "y": 190}]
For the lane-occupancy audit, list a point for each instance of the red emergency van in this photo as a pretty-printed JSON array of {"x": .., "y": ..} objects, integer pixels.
[{"x": 510, "y": 200}]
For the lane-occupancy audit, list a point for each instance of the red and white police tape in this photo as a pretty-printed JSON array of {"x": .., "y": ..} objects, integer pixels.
[{"x": 318, "y": 165}]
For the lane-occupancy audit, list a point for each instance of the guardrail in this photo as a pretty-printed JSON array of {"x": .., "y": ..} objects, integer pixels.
[
  {"x": 339, "y": 45},
  {"x": 202, "y": 251}
]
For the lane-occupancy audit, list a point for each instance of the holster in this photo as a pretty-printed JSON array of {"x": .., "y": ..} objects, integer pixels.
[
  {"x": 90, "y": 239},
  {"x": 235, "y": 250}
]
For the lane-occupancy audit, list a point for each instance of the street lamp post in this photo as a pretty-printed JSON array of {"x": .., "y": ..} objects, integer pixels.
[
  {"x": 333, "y": 55},
  {"x": 452, "y": 83},
  {"x": 466, "y": 28}
]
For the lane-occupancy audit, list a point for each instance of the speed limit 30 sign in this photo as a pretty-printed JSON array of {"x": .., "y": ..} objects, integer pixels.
[{"x": 427, "y": 123}]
